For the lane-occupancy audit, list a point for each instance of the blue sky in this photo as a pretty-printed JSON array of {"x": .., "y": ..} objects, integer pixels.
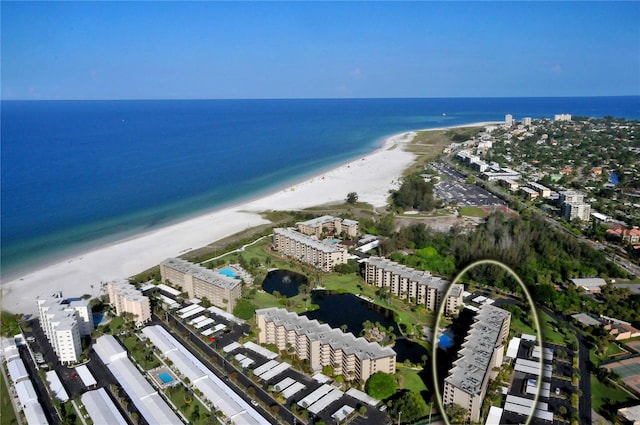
[{"x": 212, "y": 50}]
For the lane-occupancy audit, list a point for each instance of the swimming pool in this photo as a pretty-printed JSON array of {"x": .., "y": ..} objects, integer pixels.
[
  {"x": 165, "y": 377},
  {"x": 227, "y": 272}
]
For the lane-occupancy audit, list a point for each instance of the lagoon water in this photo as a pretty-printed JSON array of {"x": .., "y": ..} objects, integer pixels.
[{"x": 78, "y": 174}]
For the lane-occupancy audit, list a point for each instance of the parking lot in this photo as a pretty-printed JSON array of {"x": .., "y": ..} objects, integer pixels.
[{"x": 454, "y": 188}]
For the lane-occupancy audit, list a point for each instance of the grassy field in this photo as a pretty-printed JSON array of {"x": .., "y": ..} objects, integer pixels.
[
  {"x": 188, "y": 404},
  {"x": 603, "y": 395},
  {"x": 614, "y": 349},
  {"x": 410, "y": 379},
  {"x": 8, "y": 416},
  {"x": 548, "y": 329},
  {"x": 473, "y": 212},
  {"x": 140, "y": 352}
]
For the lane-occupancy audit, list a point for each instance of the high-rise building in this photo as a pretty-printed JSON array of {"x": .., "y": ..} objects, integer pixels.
[
  {"x": 572, "y": 206},
  {"x": 508, "y": 120},
  {"x": 307, "y": 249},
  {"x": 328, "y": 223},
  {"x": 64, "y": 324},
  {"x": 562, "y": 117},
  {"x": 127, "y": 299},
  {"x": 482, "y": 350},
  {"x": 199, "y": 282},
  {"x": 322, "y": 346},
  {"x": 419, "y": 286},
  {"x": 526, "y": 121}
]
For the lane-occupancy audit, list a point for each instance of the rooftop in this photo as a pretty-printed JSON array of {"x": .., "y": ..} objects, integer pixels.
[
  {"x": 474, "y": 358},
  {"x": 306, "y": 240},
  {"x": 419, "y": 276},
  {"x": 315, "y": 331},
  {"x": 202, "y": 273}
]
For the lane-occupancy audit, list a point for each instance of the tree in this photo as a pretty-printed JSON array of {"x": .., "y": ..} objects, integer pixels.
[
  {"x": 352, "y": 198},
  {"x": 412, "y": 406},
  {"x": 381, "y": 385},
  {"x": 456, "y": 413}
]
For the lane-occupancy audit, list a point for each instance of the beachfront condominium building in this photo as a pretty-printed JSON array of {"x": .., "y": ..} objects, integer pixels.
[
  {"x": 481, "y": 351},
  {"x": 127, "y": 299},
  {"x": 416, "y": 285},
  {"x": 562, "y": 117},
  {"x": 328, "y": 224},
  {"x": 221, "y": 290},
  {"x": 508, "y": 120},
  {"x": 64, "y": 323},
  {"x": 308, "y": 249},
  {"x": 526, "y": 121},
  {"x": 351, "y": 357}
]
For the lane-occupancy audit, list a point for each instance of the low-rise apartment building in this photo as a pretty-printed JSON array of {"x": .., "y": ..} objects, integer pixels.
[
  {"x": 543, "y": 191},
  {"x": 199, "y": 282},
  {"x": 127, "y": 299},
  {"x": 322, "y": 345},
  {"x": 418, "y": 286},
  {"x": 64, "y": 324},
  {"x": 328, "y": 224},
  {"x": 481, "y": 351},
  {"x": 308, "y": 249}
]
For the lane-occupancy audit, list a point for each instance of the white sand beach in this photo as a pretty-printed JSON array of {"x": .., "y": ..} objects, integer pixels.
[{"x": 371, "y": 177}]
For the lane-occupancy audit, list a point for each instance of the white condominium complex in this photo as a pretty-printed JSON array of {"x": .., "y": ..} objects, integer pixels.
[
  {"x": 199, "y": 282},
  {"x": 323, "y": 346},
  {"x": 481, "y": 351},
  {"x": 127, "y": 299},
  {"x": 324, "y": 256},
  {"x": 64, "y": 324},
  {"x": 328, "y": 223},
  {"x": 508, "y": 120},
  {"x": 572, "y": 206},
  {"x": 407, "y": 283},
  {"x": 562, "y": 117}
]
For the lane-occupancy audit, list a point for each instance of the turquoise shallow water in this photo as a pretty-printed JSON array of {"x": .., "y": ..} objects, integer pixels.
[{"x": 78, "y": 174}]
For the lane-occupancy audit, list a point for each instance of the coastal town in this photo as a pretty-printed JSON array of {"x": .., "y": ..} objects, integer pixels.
[{"x": 347, "y": 313}]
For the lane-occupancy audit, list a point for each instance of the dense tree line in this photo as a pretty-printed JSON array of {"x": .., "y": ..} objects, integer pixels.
[
  {"x": 415, "y": 193},
  {"x": 542, "y": 256}
]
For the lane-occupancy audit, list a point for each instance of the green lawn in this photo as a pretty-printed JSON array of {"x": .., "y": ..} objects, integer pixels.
[
  {"x": 602, "y": 395},
  {"x": 520, "y": 328},
  {"x": 410, "y": 380},
  {"x": 188, "y": 404},
  {"x": 615, "y": 349},
  {"x": 8, "y": 416},
  {"x": 548, "y": 329},
  {"x": 140, "y": 352},
  {"x": 473, "y": 212}
]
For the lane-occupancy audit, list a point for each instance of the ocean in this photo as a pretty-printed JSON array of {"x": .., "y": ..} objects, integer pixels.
[{"x": 79, "y": 174}]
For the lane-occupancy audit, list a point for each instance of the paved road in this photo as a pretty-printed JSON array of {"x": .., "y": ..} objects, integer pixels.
[{"x": 584, "y": 410}]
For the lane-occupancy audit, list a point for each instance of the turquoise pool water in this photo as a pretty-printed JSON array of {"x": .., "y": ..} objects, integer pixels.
[
  {"x": 227, "y": 272},
  {"x": 165, "y": 377}
]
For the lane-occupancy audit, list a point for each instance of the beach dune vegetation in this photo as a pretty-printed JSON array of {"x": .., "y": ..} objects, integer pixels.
[{"x": 415, "y": 193}]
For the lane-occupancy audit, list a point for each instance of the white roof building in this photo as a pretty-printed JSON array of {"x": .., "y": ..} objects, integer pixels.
[
  {"x": 213, "y": 388},
  {"x": 56, "y": 386},
  {"x": 147, "y": 400},
  {"x": 86, "y": 376},
  {"x": 101, "y": 409},
  {"x": 17, "y": 370}
]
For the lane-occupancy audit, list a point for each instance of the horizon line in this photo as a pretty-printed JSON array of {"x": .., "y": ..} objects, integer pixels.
[{"x": 315, "y": 98}]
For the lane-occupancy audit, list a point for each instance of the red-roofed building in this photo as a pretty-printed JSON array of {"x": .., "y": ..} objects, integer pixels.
[{"x": 631, "y": 236}]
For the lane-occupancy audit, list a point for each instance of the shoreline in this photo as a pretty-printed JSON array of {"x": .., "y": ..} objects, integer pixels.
[{"x": 371, "y": 176}]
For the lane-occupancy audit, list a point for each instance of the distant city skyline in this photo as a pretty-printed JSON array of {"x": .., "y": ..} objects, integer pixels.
[{"x": 257, "y": 50}]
